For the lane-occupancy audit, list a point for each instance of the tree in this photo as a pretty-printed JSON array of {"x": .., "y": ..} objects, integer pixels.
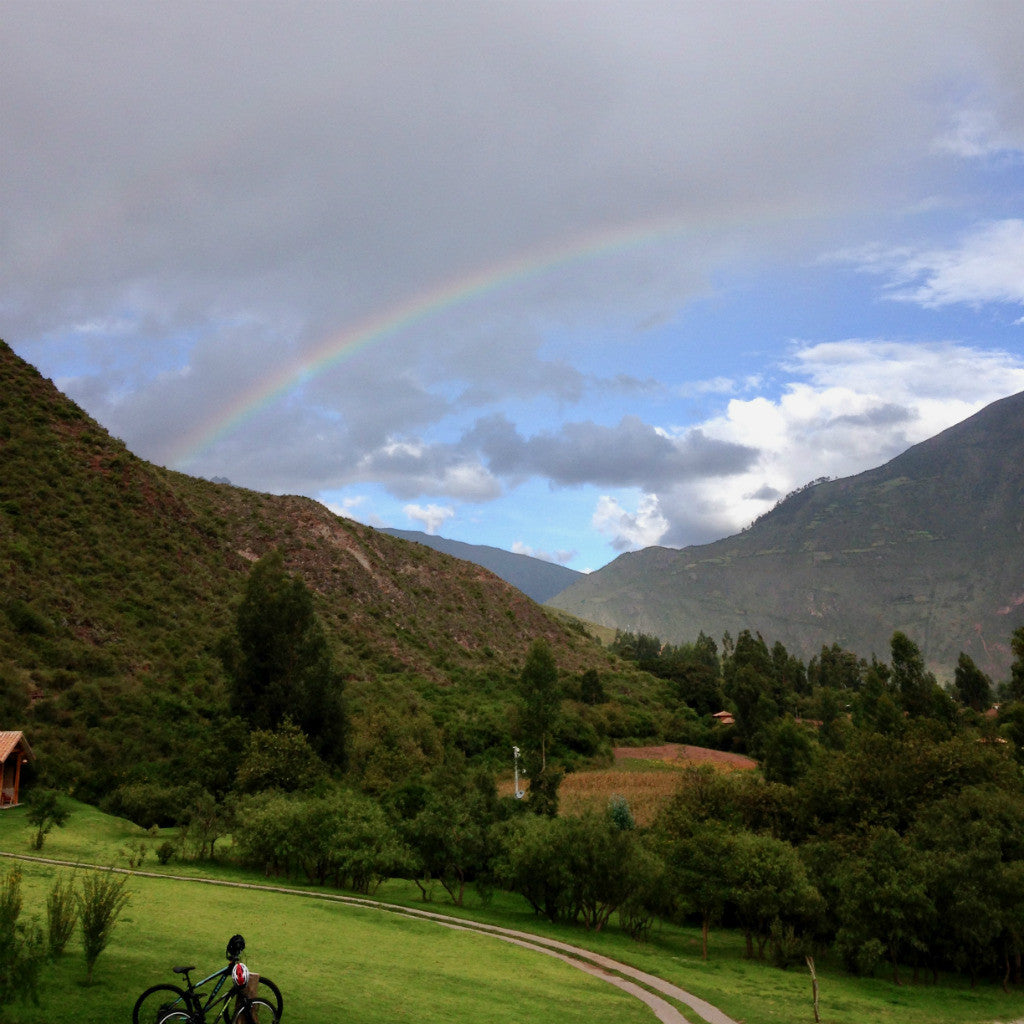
[
  {"x": 768, "y": 886},
  {"x": 835, "y": 669},
  {"x": 695, "y": 856},
  {"x": 279, "y": 662},
  {"x": 205, "y": 821},
  {"x": 22, "y": 951},
  {"x": 46, "y": 811},
  {"x": 394, "y": 739},
  {"x": 973, "y": 687},
  {"x": 1016, "y": 684},
  {"x": 751, "y": 694},
  {"x": 531, "y": 861},
  {"x": 884, "y": 905},
  {"x": 591, "y": 688},
  {"x": 100, "y": 902},
  {"x": 912, "y": 682},
  {"x": 280, "y": 758},
  {"x": 539, "y": 706},
  {"x": 787, "y": 751},
  {"x": 450, "y": 832}
]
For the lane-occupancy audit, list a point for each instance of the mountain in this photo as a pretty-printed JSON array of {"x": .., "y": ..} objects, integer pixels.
[
  {"x": 536, "y": 578},
  {"x": 120, "y": 578},
  {"x": 931, "y": 543}
]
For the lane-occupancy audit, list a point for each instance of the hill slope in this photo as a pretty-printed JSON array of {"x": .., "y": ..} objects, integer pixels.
[
  {"x": 120, "y": 577},
  {"x": 931, "y": 543},
  {"x": 537, "y": 579}
]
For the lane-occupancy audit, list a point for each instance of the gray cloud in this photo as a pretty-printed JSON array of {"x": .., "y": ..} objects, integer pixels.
[
  {"x": 200, "y": 197},
  {"x": 630, "y": 454}
]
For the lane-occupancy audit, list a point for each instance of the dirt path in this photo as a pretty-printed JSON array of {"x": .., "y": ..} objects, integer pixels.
[{"x": 650, "y": 989}]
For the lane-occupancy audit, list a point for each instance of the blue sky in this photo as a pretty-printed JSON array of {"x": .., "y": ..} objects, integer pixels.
[{"x": 567, "y": 279}]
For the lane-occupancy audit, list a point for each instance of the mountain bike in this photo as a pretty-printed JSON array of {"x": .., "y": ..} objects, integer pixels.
[{"x": 170, "y": 1004}]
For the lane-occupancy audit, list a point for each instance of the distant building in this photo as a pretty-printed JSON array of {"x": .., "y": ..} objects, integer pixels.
[
  {"x": 14, "y": 752},
  {"x": 724, "y": 718}
]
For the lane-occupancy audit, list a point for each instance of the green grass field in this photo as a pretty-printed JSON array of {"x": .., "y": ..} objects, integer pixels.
[{"x": 334, "y": 961}]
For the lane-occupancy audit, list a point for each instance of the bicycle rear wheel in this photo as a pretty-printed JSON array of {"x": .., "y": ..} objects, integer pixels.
[
  {"x": 269, "y": 992},
  {"x": 259, "y": 1011},
  {"x": 157, "y": 1002}
]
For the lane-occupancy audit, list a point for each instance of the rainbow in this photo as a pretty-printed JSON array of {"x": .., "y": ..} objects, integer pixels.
[{"x": 412, "y": 311}]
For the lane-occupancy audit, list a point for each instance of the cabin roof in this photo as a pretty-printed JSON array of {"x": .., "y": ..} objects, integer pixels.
[{"x": 9, "y": 742}]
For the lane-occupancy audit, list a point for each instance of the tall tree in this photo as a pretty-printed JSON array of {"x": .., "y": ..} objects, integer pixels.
[
  {"x": 280, "y": 664},
  {"x": 1016, "y": 685},
  {"x": 912, "y": 682},
  {"x": 539, "y": 706},
  {"x": 973, "y": 687}
]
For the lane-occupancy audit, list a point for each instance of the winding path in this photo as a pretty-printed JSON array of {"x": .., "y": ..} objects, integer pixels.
[{"x": 650, "y": 989}]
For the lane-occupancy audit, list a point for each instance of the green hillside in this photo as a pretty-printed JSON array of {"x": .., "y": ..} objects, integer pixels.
[
  {"x": 120, "y": 578},
  {"x": 929, "y": 544}
]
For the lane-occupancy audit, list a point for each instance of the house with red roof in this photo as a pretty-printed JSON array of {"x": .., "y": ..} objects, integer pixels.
[{"x": 14, "y": 753}]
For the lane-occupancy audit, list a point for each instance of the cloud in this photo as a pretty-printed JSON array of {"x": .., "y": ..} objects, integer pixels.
[
  {"x": 630, "y": 453},
  {"x": 985, "y": 267},
  {"x": 849, "y": 406},
  {"x": 976, "y": 133},
  {"x": 411, "y": 470},
  {"x": 432, "y": 517},
  {"x": 469, "y": 236},
  {"x": 558, "y": 557},
  {"x": 627, "y": 531}
]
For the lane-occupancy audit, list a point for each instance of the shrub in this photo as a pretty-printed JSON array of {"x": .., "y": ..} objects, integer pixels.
[
  {"x": 100, "y": 902},
  {"x": 45, "y": 811},
  {"x": 61, "y": 915},
  {"x": 22, "y": 951},
  {"x": 148, "y": 803}
]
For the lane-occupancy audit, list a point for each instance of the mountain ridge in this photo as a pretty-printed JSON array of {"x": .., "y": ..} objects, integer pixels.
[
  {"x": 930, "y": 543},
  {"x": 121, "y": 577},
  {"x": 540, "y": 580}
]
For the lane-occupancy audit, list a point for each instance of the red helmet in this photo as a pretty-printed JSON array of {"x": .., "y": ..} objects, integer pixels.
[{"x": 240, "y": 973}]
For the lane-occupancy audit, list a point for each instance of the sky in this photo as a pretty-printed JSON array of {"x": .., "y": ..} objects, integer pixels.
[{"x": 565, "y": 278}]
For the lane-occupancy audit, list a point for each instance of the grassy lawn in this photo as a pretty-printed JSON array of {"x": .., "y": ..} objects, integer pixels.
[{"x": 369, "y": 967}]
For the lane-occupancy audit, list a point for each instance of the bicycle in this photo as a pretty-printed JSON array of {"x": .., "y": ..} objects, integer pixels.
[{"x": 170, "y": 1004}]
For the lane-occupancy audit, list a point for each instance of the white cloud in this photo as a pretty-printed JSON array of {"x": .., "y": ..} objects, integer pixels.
[
  {"x": 987, "y": 266},
  {"x": 719, "y": 386},
  {"x": 431, "y": 517},
  {"x": 347, "y": 506},
  {"x": 859, "y": 404},
  {"x": 629, "y": 530},
  {"x": 976, "y": 133},
  {"x": 558, "y": 557}
]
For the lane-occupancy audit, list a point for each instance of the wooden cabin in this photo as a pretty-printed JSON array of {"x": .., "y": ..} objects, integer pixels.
[{"x": 14, "y": 752}]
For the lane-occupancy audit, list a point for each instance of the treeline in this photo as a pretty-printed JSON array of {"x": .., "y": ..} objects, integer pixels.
[
  {"x": 886, "y": 822},
  {"x": 886, "y": 825}
]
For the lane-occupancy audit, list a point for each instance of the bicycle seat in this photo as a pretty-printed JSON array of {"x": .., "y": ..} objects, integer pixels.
[{"x": 182, "y": 970}]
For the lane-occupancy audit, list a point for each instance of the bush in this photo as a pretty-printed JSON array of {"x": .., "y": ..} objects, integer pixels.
[
  {"x": 134, "y": 852},
  {"x": 61, "y": 915},
  {"x": 46, "y": 810},
  {"x": 100, "y": 902},
  {"x": 22, "y": 950},
  {"x": 149, "y": 803}
]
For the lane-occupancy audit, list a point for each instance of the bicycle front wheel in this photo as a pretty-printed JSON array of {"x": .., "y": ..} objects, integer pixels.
[
  {"x": 270, "y": 993},
  {"x": 176, "y": 1017},
  {"x": 157, "y": 1002},
  {"x": 259, "y": 1011}
]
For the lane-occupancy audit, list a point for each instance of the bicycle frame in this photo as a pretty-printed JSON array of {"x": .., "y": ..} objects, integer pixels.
[
  {"x": 222, "y": 975},
  {"x": 209, "y": 1000}
]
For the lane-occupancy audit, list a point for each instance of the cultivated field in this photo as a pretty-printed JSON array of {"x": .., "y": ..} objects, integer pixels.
[{"x": 646, "y": 777}]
